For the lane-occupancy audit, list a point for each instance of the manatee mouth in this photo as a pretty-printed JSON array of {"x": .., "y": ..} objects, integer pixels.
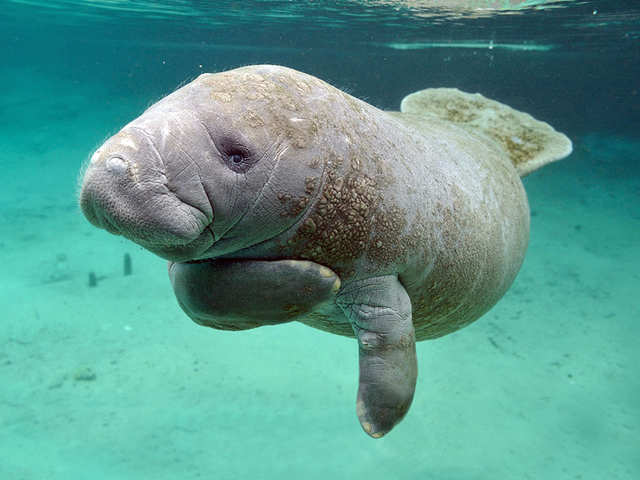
[
  {"x": 187, "y": 252},
  {"x": 173, "y": 244},
  {"x": 97, "y": 216},
  {"x": 150, "y": 216}
]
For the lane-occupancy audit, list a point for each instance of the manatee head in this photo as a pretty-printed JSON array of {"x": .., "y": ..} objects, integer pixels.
[{"x": 224, "y": 163}]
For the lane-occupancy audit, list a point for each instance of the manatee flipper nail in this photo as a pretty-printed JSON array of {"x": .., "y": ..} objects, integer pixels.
[
  {"x": 239, "y": 294},
  {"x": 379, "y": 310}
]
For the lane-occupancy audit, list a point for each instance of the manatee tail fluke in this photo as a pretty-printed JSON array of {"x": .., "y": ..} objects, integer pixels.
[{"x": 530, "y": 143}]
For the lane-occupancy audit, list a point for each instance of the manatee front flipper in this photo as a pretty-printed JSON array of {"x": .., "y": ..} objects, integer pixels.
[
  {"x": 379, "y": 310},
  {"x": 239, "y": 294}
]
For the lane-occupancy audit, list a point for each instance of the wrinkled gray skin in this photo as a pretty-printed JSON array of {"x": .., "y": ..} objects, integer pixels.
[{"x": 278, "y": 197}]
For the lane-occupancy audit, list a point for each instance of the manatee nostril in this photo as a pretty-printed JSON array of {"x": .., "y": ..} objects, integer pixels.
[{"x": 116, "y": 165}]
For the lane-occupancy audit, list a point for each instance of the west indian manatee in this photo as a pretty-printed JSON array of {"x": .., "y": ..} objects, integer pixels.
[{"x": 277, "y": 197}]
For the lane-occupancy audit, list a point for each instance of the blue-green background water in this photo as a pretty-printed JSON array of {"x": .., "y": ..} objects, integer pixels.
[{"x": 115, "y": 382}]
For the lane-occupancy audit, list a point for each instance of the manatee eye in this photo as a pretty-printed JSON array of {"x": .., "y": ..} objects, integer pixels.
[{"x": 238, "y": 158}]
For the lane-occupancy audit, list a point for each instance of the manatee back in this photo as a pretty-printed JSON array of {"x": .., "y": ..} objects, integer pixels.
[{"x": 529, "y": 143}]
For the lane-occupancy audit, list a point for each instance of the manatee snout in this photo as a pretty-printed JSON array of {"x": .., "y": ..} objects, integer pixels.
[{"x": 127, "y": 191}]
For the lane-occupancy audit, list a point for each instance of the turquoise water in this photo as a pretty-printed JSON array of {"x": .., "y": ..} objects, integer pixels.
[{"x": 113, "y": 381}]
